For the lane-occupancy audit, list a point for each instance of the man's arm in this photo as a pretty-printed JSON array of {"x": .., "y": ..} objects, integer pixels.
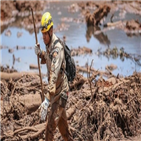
[
  {"x": 40, "y": 52},
  {"x": 42, "y": 56}
]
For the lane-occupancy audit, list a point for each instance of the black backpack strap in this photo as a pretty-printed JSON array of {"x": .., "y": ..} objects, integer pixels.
[
  {"x": 58, "y": 40},
  {"x": 55, "y": 42}
]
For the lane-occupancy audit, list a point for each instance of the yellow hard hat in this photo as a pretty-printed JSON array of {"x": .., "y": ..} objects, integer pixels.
[{"x": 46, "y": 22}]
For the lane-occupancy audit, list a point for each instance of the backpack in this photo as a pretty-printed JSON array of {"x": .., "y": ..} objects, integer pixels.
[{"x": 70, "y": 70}]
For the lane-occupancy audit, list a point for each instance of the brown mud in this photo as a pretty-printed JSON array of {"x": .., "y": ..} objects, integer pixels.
[{"x": 98, "y": 108}]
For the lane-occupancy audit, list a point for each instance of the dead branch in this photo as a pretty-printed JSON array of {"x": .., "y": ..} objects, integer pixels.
[
  {"x": 70, "y": 112},
  {"x": 23, "y": 129},
  {"x": 41, "y": 129}
]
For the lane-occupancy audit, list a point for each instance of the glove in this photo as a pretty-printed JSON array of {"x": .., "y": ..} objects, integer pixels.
[
  {"x": 45, "y": 55},
  {"x": 43, "y": 109},
  {"x": 37, "y": 49}
]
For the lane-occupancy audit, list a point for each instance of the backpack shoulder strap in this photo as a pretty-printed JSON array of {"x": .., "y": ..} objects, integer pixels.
[
  {"x": 58, "y": 40},
  {"x": 55, "y": 42}
]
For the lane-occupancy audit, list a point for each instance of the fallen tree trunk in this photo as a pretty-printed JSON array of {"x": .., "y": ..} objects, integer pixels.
[
  {"x": 70, "y": 112},
  {"x": 40, "y": 129},
  {"x": 91, "y": 70},
  {"x": 31, "y": 102},
  {"x": 32, "y": 66},
  {"x": 26, "y": 132},
  {"x": 114, "y": 23},
  {"x": 15, "y": 75}
]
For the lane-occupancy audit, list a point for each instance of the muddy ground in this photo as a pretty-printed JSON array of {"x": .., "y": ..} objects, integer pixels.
[
  {"x": 97, "y": 109},
  {"x": 100, "y": 107}
]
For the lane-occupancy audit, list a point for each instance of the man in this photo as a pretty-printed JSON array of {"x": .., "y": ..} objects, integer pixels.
[{"x": 57, "y": 81}]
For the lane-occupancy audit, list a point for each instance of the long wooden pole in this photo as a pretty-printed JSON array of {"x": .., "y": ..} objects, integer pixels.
[{"x": 42, "y": 94}]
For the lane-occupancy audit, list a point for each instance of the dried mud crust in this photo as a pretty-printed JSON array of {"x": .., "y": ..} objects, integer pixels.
[
  {"x": 112, "y": 111},
  {"x": 97, "y": 109}
]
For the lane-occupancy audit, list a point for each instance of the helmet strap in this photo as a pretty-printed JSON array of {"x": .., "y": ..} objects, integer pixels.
[{"x": 49, "y": 40}]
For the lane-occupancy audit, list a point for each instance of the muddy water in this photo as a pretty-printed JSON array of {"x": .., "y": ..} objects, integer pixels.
[{"x": 75, "y": 37}]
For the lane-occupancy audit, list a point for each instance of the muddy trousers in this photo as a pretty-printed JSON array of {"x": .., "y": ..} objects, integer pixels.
[{"x": 57, "y": 117}]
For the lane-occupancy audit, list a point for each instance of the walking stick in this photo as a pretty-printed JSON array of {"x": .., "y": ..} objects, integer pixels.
[{"x": 42, "y": 94}]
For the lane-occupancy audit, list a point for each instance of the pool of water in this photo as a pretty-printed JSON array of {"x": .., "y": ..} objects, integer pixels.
[{"x": 75, "y": 37}]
